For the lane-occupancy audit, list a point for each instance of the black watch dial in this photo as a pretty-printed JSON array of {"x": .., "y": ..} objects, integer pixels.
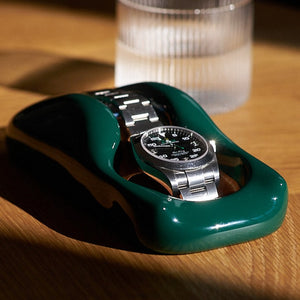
[{"x": 174, "y": 143}]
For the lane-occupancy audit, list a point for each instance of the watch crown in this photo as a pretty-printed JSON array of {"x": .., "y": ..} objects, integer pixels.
[{"x": 213, "y": 144}]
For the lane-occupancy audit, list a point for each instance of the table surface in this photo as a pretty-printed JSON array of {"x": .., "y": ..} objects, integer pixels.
[{"x": 54, "y": 245}]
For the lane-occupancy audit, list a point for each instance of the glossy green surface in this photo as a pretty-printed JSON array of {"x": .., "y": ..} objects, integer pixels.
[{"x": 163, "y": 223}]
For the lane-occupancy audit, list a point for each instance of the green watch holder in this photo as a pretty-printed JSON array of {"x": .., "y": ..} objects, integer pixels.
[{"x": 83, "y": 135}]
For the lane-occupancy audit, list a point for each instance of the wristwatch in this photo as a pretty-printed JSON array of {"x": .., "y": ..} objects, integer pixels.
[{"x": 179, "y": 158}]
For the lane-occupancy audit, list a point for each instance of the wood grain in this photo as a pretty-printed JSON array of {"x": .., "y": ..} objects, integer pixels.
[{"x": 57, "y": 243}]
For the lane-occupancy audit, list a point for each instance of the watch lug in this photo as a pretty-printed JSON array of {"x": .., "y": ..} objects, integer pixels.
[{"x": 172, "y": 181}]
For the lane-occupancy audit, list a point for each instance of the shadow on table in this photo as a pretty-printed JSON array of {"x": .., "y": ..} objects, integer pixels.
[
  {"x": 46, "y": 191},
  {"x": 32, "y": 271},
  {"x": 277, "y": 22},
  {"x": 51, "y": 74},
  {"x": 91, "y": 5}
]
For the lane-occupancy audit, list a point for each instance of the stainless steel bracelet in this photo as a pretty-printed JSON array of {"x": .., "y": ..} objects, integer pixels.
[
  {"x": 197, "y": 184},
  {"x": 137, "y": 111},
  {"x": 139, "y": 116}
]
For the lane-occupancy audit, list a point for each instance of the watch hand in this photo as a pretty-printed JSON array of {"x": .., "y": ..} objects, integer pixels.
[
  {"x": 167, "y": 141},
  {"x": 163, "y": 146},
  {"x": 180, "y": 147}
]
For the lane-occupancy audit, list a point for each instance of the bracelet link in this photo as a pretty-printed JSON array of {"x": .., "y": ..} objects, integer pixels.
[{"x": 136, "y": 110}]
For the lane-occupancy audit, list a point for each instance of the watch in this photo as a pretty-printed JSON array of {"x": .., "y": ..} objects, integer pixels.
[{"x": 179, "y": 158}]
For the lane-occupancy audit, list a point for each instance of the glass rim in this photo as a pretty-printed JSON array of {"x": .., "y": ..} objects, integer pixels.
[{"x": 186, "y": 11}]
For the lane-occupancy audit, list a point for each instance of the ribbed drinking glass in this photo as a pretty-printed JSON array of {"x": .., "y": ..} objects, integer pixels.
[{"x": 200, "y": 46}]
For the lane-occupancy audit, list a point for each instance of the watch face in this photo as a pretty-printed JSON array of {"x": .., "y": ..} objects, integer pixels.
[{"x": 174, "y": 143}]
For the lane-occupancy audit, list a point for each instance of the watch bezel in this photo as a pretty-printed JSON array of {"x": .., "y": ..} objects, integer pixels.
[{"x": 155, "y": 161}]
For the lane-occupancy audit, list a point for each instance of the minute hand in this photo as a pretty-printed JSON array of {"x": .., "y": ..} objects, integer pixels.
[{"x": 180, "y": 147}]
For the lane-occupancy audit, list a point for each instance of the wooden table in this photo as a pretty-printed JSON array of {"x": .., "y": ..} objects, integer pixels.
[{"x": 55, "y": 243}]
